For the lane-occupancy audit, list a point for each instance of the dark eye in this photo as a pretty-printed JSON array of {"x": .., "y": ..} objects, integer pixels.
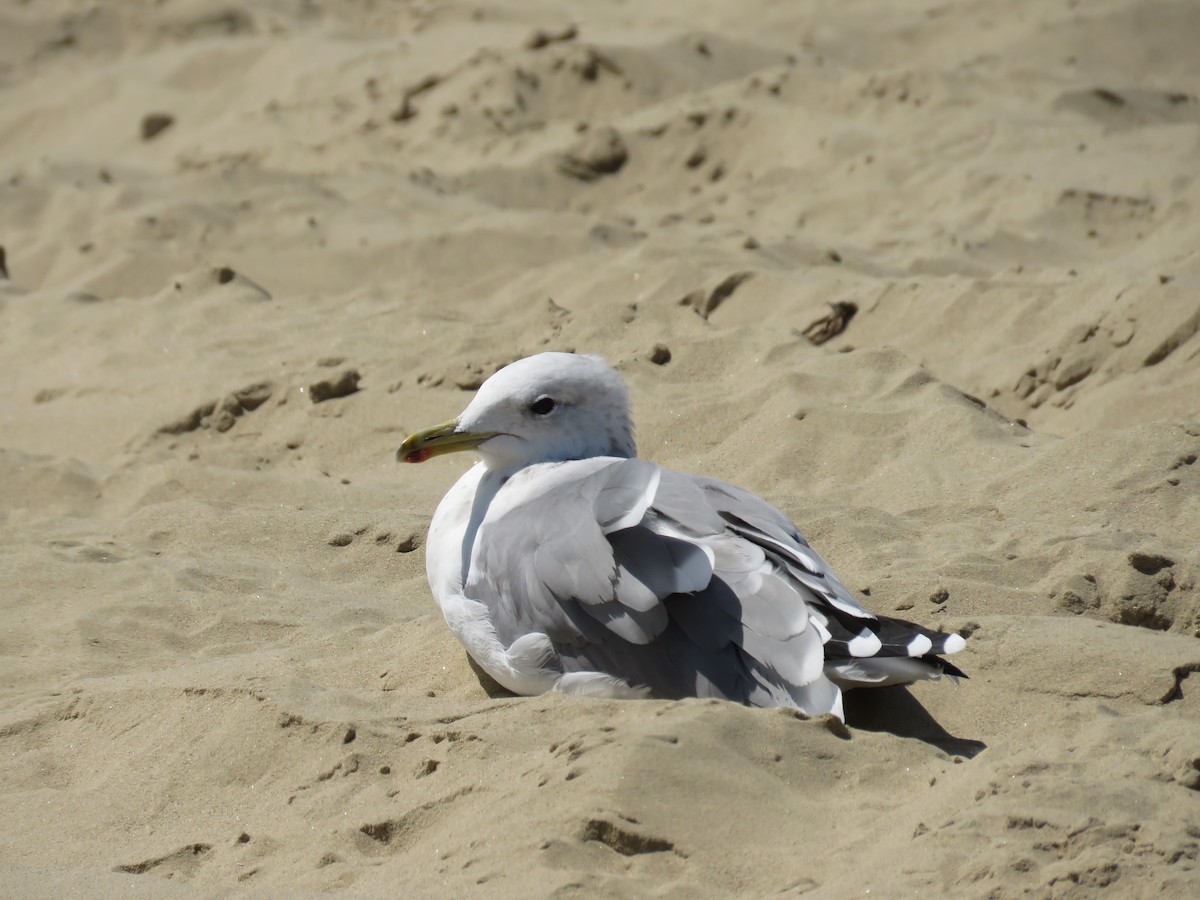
[{"x": 542, "y": 406}]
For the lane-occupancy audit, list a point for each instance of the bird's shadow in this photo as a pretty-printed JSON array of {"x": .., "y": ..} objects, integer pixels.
[
  {"x": 891, "y": 709},
  {"x": 898, "y": 712}
]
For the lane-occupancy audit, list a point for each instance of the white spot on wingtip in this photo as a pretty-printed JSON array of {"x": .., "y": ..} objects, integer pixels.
[
  {"x": 865, "y": 643},
  {"x": 954, "y": 643},
  {"x": 919, "y": 645}
]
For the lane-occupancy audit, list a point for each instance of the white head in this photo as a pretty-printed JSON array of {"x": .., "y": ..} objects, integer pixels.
[{"x": 545, "y": 408}]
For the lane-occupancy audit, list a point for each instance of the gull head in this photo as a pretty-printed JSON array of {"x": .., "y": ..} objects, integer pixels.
[{"x": 545, "y": 408}]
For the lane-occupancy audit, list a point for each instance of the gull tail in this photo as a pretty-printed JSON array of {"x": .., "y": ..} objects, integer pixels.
[{"x": 887, "y": 651}]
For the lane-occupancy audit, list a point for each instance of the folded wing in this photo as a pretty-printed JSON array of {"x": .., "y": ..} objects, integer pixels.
[{"x": 684, "y": 585}]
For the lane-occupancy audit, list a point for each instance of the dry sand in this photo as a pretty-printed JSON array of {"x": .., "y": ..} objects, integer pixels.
[{"x": 221, "y": 669}]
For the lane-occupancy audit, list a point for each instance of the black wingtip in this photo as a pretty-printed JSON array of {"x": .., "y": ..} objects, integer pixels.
[{"x": 948, "y": 668}]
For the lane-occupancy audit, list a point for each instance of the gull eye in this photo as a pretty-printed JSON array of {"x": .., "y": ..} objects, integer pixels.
[{"x": 542, "y": 406}]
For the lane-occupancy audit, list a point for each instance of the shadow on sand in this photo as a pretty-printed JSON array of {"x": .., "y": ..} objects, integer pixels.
[
  {"x": 897, "y": 712},
  {"x": 893, "y": 710}
]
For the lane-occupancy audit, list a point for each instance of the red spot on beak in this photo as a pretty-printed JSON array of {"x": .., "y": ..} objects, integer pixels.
[{"x": 416, "y": 456}]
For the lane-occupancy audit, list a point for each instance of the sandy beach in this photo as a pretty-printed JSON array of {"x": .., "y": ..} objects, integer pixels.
[{"x": 925, "y": 276}]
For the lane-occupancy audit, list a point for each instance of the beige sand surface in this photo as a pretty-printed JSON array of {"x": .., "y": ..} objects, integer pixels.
[{"x": 221, "y": 672}]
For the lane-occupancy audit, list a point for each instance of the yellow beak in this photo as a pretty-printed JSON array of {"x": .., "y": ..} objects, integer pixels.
[{"x": 439, "y": 439}]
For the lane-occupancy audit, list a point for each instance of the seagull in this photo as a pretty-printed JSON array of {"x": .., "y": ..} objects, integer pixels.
[{"x": 563, "y": 562}]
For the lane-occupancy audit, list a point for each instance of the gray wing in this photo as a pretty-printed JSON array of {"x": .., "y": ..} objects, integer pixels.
[
  {"x": 858, "y": 642},
  {"x": 685, "y": 585},
  {"x": 631, "y": 570}
]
